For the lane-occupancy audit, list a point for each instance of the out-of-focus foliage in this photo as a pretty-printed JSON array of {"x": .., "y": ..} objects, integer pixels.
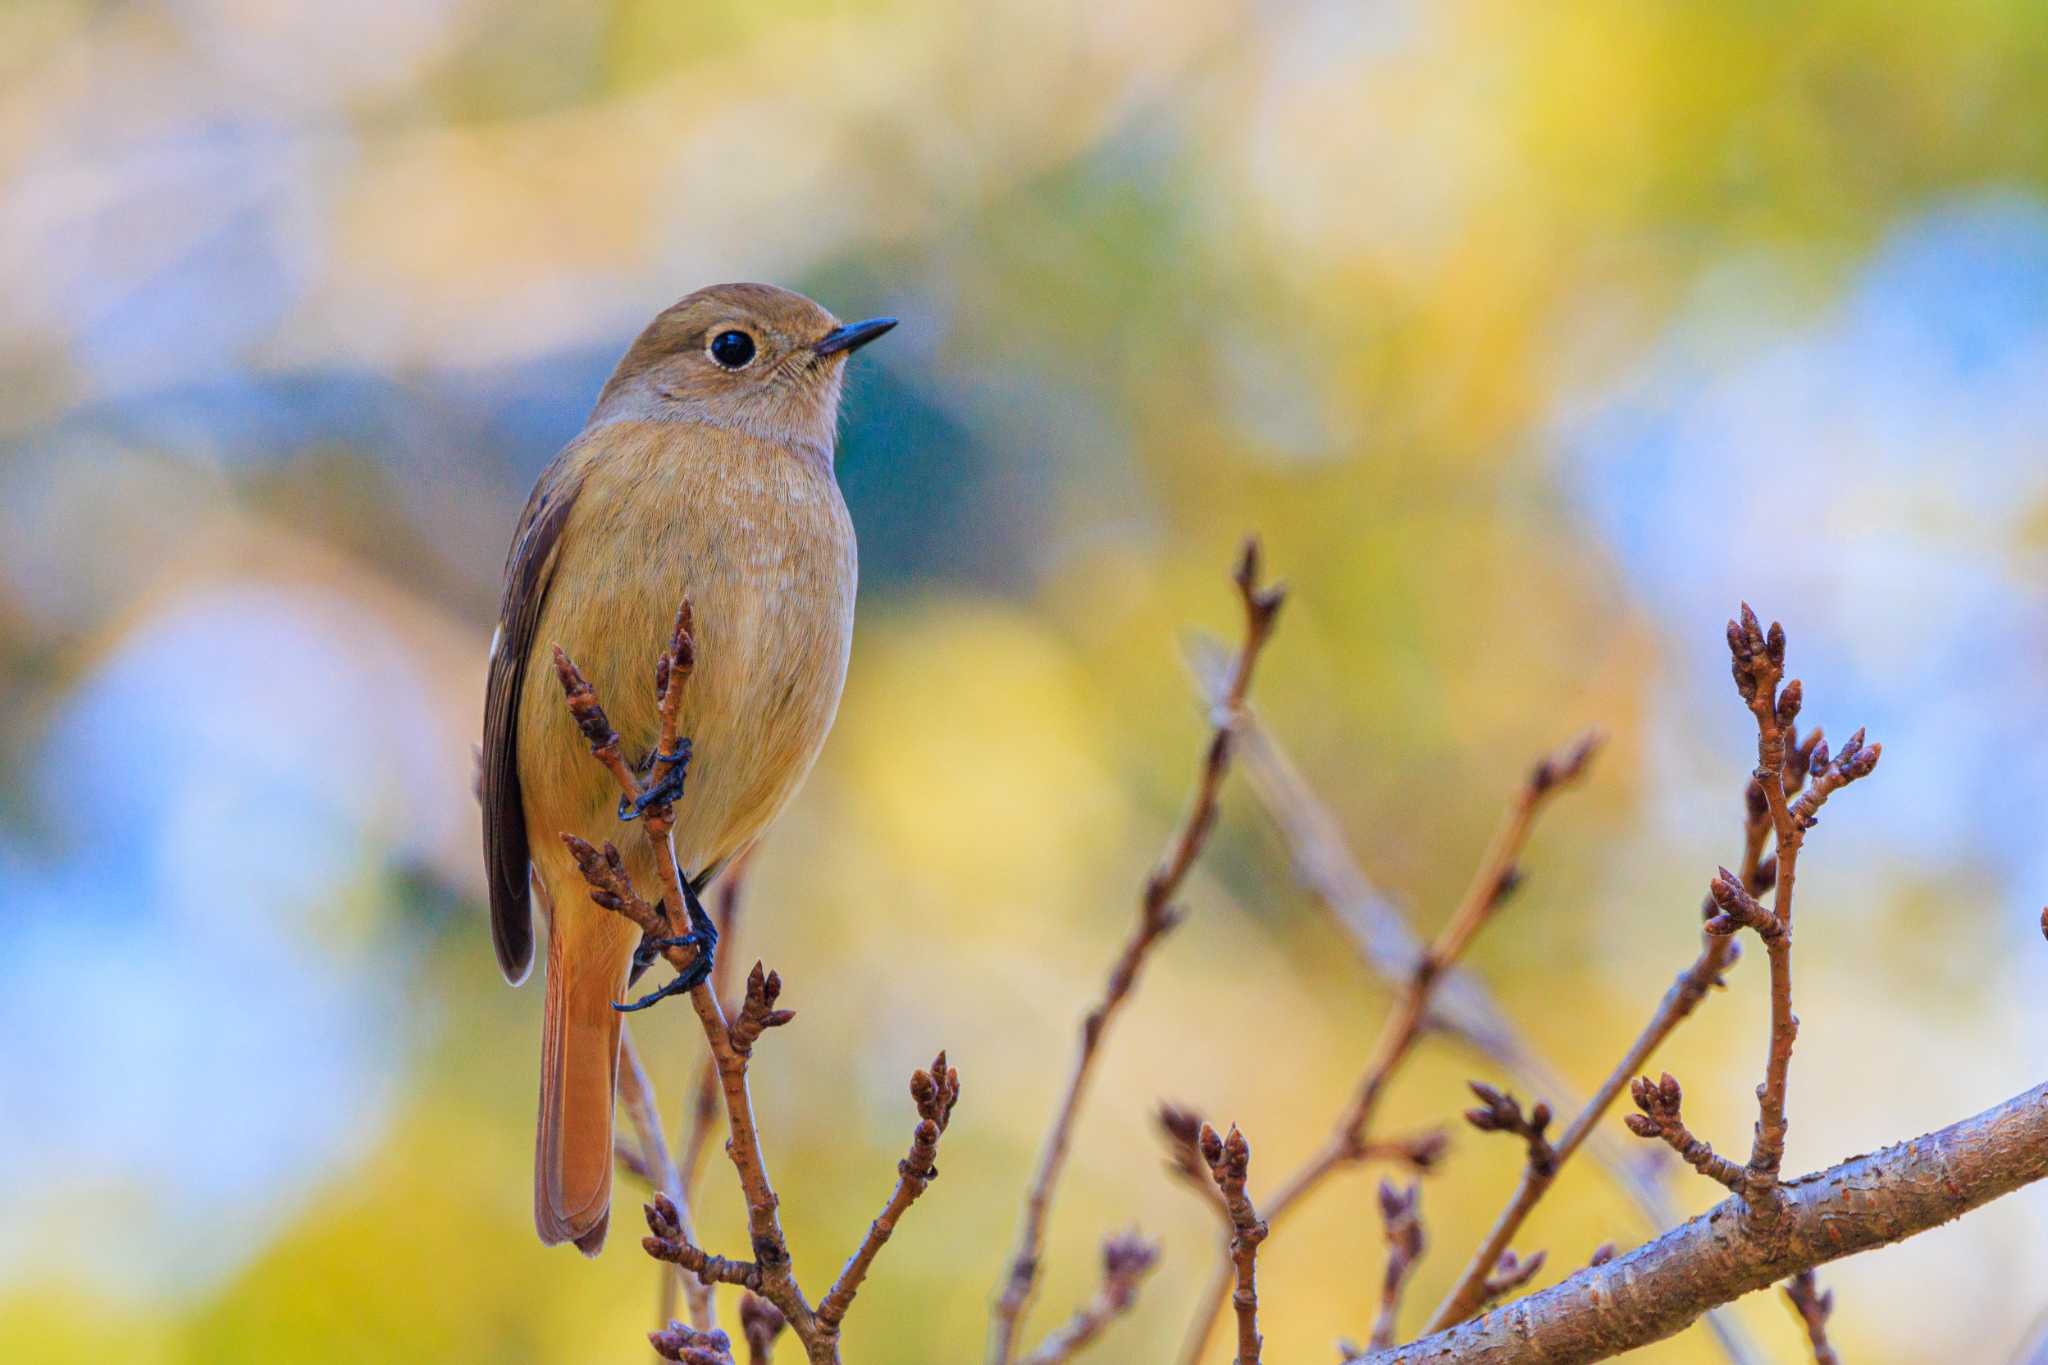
[{"x": 1531, "y": 336}]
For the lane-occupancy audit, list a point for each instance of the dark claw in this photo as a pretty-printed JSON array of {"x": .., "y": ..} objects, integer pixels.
[
  {"x": 666, "y": 792},
  {"x": 703, "y": 936},
  {"x": 699, "y": 973}
]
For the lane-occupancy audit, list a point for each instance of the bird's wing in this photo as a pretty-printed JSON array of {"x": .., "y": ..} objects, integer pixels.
[{"x": 528, "y": 570}]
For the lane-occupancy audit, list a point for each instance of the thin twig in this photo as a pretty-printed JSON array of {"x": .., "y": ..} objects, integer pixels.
[
  {"x": 1511, "y": 1274},
  {"x": 1401, "y": 1217},
  {"x": 1813, "y": 1305},
  {"x": 935, "y": 1092},
  {"x": 704, "y": 1105},
  {"x": 605, "y": 870},
  {"x": 1501, "y": 1112},
  {"x": 1718, "y": 953},
  {"x": 1156, "y": 917},
  {"x": 1757, "y": 660},
  {"x": 1126, "y": 1260},
  {"x": 636, "y": 1097},
  {"x": 770, "y": 1273},
  {"x": 1347, "y": 1143},
  {"x": 1661, "y": 1118},
  {"x": 1460, "y": 1006},
  {"x": 1229, "y": 1161}
]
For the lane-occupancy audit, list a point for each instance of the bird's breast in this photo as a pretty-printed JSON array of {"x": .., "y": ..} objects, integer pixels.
[{"x": 759, "y": 539}]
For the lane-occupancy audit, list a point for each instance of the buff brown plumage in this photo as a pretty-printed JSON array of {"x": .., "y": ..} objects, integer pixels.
[{"x": 706, "y": 470}]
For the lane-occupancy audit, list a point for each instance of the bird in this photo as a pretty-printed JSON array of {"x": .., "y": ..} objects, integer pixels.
[{"x": 705, "y": 471}]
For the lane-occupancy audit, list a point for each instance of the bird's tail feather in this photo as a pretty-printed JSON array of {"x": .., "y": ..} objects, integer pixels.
[{"x": 579, "y": 1068}]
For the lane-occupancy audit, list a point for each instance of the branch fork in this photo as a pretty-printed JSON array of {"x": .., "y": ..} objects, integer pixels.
[
  {"x": 1157, "y": 916},
  {"x": 769, "y": 1275}
]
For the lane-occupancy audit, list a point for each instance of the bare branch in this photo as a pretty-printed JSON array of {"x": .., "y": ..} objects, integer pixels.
[
  {"x": 1401, "y": 1217},
  {"x": 1717, "y": 954},
  {"x": 935, "y": 1092},
  {"x": 1229, "y": 1161},
  {"x": 1813, "y": 1307},
  {"x": 757, "y": 1010},
  {"x": 668, "y": 1241},
  {"x": 1510, "y": 1274},
  {"x": 1156, "y": 917},
  {"x": 1502, "y": 1113},
  {"x": 636, "y": 1097},
  {"x": 704, "y": 1105},
  {"x": 770, "y": 1273},
  {"x": 1758, "y": 661},
  {"x": 1654, "y": 1291},
  {"x": 1126, "y": 1260},
  {"x": 1348, "y": 1142},
  {"x": 1660, "y": 1103},
  {"x": 1460, "y": 1006}
]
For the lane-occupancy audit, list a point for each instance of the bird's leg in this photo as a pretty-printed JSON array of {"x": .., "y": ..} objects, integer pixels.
[
  {"x": 703, "y": 936},
  {"x": 667, "y": 790}
]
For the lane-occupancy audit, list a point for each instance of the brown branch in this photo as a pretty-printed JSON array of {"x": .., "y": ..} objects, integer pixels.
[
  {"x": 935, "y": 1092},
  {"x": 770, "y": 1273},
  {"x": 1737, "y": 909},
  {"x": 1348, "y": 1143},
  {"x": 1496, "y": 873},
  {"x": 667, "y": 1241},
  {"x": 1502, "y": 1113},
  {"x": 1510, "y": 1274},
  {"x": 1732, "y": 904},
  {"x": 1684, "y": 995},
  {"x": 1654, "y": 1291},
  {"x": 1718, "y": 953},
  {"x": 704, "y": 1104},
  {"x": 1229, "y": 1161},
  {"x": 757, "y": 1010},
  {"x": 1401, "y": 1217},
  {"x": 636, "y": 1097},
  {"x": 605, "y": 871},
  {"x": 1460, "y": 1006},
  {"x": 1156, "y": 917},
  {"x": 1661, "y": 1118},
  {"x": 1126, "y": 1260},
  {"x": 1757, "y": 659},
  {"x": 1813, "y": 1307}
]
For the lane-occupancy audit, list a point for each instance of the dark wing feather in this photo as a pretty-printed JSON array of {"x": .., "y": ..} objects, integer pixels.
[{"x": 528, "y": 570}]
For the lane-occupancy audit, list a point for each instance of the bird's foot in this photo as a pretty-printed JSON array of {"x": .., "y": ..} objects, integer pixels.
[
  {"x": 665, "y": 792},
  {"x": 703, "y": 936}
]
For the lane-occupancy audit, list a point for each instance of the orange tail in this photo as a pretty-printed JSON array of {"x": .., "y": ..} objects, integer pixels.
[{"x": 588, "y": 954}]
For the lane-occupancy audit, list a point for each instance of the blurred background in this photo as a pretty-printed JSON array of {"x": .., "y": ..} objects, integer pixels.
[{"x": 1532, "y": 338}]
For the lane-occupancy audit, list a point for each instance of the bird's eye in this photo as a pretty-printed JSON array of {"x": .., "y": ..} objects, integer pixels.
[{"x": 732, "y": 349}]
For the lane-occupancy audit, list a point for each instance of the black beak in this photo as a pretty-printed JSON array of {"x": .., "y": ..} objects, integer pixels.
[{"x": 852, "y": 336}]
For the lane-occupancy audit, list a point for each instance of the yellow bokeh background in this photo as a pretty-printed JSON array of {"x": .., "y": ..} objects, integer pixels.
[{"x": 1529, "y": 339}]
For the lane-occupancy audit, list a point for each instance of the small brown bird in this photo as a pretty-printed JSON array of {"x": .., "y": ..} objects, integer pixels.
[{"x": 705, "y": 469}]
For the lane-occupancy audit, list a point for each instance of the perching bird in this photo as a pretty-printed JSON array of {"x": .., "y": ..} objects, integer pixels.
[{"x": 706, "y": 469}]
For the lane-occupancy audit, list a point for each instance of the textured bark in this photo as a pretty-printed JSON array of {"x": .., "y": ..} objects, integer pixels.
[{"x": 1657, "y": 1289}]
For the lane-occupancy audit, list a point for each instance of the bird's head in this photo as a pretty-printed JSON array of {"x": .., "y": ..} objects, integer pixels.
[{"x": 749, "y": 357}]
